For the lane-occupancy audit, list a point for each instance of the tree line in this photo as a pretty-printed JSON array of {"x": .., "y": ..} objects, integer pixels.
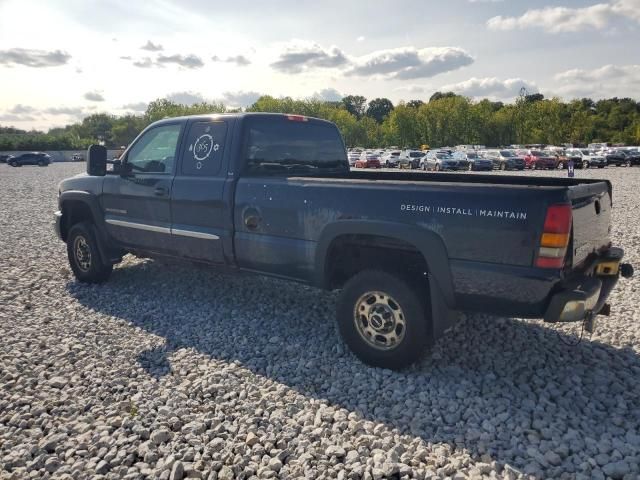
[{"x": 445, "y": 119}]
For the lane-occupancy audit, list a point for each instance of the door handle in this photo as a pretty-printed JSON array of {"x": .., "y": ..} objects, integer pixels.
[{"x": 161, "y": 191}]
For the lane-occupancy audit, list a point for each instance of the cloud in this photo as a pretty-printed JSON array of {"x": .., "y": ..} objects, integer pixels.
[
  {"x": 240, "y": 98},
  {"x": 186, "y": 61},
  {"x": 490, "y": 87},
  {"x": 71, "y": 111},
  {"x": 606, "y": 81},
  {"x": 143, "y": 63},
  {"x": 413, "y": 88},
  {"x": 408, "y": 63},
  {"x": 152, "y": 47},
  {"x": 186, "y": 98},
  {"x": 300, "y": 56},
  {"x": 239, "y": 60},
  {"x": 20, "y": 109},
  {"x": 12, "y": 117},
  {"x": 567, "y": 19},
  {"x": 328, "y": 95},
  {"x": 33, "y": 58},
  {"x": 136, "y": 107},
  {"x": 94, "y": 96},
  {"x": 360, "y": 39},
  {"x": 125, "y": 57}
]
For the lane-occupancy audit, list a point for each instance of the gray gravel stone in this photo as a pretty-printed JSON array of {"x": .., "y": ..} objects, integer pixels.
[{"x": 167, "y": 369}]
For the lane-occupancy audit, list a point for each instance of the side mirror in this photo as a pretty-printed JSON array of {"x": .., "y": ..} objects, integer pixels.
[{"x": 97, "y": 161}]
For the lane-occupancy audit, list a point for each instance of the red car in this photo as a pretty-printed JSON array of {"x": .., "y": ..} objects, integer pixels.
[
  {"x": 368, "y": 160},
  {"x": 539, "y": 160}
]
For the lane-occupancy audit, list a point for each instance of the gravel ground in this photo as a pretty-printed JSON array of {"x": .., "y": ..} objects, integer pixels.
[{"x": 171, "y": 372}]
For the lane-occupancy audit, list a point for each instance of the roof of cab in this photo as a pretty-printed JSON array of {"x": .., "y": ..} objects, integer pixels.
[{"x": 241, "y": 115}]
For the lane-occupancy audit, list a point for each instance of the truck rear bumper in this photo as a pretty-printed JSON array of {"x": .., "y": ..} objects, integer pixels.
[{"x": 586, "y": 294}]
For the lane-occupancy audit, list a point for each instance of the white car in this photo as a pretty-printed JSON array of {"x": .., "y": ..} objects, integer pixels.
[{"x": 587, "y": 158}]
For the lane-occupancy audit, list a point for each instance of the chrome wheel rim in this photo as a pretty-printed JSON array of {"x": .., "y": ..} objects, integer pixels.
[
  {"x": 83, "y": 253},
  {"x": 379, "y": 320}
]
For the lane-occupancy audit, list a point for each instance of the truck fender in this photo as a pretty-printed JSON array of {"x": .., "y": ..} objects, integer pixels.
[
  {"x": 99, "y": 229},
  {"x": 427, "y": 242}
]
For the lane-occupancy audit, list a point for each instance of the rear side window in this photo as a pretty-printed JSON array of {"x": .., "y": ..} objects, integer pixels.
[
  {"x": 279, "y": 145},
  {"x": 203, "y": 148}
]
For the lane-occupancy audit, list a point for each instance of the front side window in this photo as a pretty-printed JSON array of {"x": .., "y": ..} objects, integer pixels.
[{"x": 155, "y": 151}]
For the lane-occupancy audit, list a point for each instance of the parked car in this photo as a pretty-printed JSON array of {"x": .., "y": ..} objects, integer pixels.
[
  {"x": 413, "y": 157},
  {"x": 633, "y": 157},
  {"x": 504, "y": 159},
  {"x": 5, "y": 158},
  {"x": 540, "y": 160},
  {"x": 441, "y": 160},
  {"x": 31, "y": 158},
  {"x": 391, "y": 158},
  {"x": 616, "y": 157},
  {"x": 474, "y": 160},
  {"x": 368, "y": 160},
  {"x": 404, "y": 255},
  {"x": 587, "y": 157},
  {"x": 561, "y": 158},
  {"x": 76, "y": 157},
  {"x": 353, "y": 157}
]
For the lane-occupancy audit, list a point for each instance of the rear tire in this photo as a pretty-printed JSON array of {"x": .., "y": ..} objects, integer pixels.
[
  {"x": 84, "y": 255},
  {"x": 383, "y": 320}
]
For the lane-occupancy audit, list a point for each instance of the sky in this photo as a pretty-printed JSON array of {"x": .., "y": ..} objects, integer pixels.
[{"x": 61, "y": 60}]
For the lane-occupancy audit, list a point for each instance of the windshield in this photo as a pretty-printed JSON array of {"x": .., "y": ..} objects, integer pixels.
[
  {"x": 444, "y": 156},
  {"x": 416, "y": 154},
  {"x": 507, "y": 153},
  {"x": 472, "y": 155},
  {"x": 585, "y": 152}
]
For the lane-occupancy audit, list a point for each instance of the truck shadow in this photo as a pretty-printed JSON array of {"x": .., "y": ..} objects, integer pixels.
[{"x": 492, "y": 386}]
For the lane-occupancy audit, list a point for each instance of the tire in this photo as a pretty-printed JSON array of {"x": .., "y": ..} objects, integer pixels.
[
  {"x": 385, "y": 290},
  {"x": 81, "y": 240},
  {"x": 424, "y": 167},
  {"x": 627, "y": 163},
  {"x": 586, "y": 164},
  {"x": 41, "y": 164},
  {"x": 437, "y": 167},
  {"x": 471, "y": 167},
  {"x": 503, "y": 166},
  {"x": 560, "y": 166}
]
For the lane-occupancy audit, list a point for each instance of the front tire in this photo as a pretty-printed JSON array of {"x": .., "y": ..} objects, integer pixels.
[
  {"x": 382, "y": 319},
  {"x": 84, "y": 255}
]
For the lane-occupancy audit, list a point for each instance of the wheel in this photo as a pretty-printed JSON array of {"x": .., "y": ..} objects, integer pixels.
[
  {"x": 382, "y": 319},
  {"x": 587, "y": 164},
  {"x": 41, "y": 163},
  {"x": 437, "y": 167},
  {"x": 627, "y": 163},
  {"x": 424, "y": 167},
  {"x": 471, "y": 167},
  {"x": 560, "y": 166},
  {"x": 533, "y": 166},
  {"x": 84, "y": 257},
  {"x": 503, "y": 166},
  {"x": 386, "y": 164}
]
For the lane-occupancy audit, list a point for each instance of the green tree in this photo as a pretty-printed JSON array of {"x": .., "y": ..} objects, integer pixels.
[{"x": 379, "y": 108}]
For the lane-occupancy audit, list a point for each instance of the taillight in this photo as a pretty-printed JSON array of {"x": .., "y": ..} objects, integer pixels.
[
  {"x": 555, "y": 237},
  {"x": 297, "y": 118}
]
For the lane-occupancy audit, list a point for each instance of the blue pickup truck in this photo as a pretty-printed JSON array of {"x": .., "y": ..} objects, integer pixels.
[{"x": 273, "y": 194}]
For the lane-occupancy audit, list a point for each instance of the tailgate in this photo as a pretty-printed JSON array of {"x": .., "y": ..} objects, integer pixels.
[{"x": 591, "y": 206}]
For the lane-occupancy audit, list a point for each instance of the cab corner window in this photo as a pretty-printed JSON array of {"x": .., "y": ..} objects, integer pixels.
[{"x": 155, "y": 151}]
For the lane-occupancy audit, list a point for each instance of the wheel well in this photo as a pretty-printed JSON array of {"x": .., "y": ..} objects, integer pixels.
[
  {"x": 74, "y": 211},
  {"x": 349, "y": 254}
]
